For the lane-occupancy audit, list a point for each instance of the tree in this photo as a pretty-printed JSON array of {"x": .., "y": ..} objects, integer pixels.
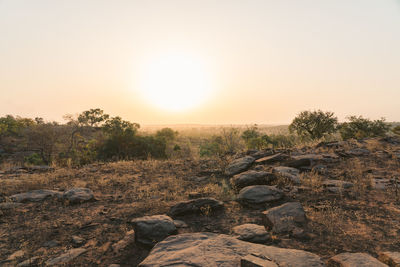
[
  {"x": 396, "y": 130},
  {"x": 92, "y": 117},
  {"x": 359, "y": 127},
  {"x": 314, "y": 124},
  {"x": 167, "y": 134}
]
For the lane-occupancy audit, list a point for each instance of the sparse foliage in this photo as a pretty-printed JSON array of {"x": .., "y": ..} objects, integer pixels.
[
  {"x": 359, "y": 127},
  {"x": 314, "y": 124}
]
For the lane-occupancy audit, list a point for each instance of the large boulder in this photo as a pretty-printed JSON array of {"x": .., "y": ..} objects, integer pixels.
[
  {"x": 252, "y": 178},
  {"x": 152, "y": 229},
  {"x": 251, "y": 232},
  {"x": 272, "y": 159},
  {"x": 258, "y": 195},
  {"x": 285, "y": 218},
  {"x": 198, "y": 205},
  {"x": 239, "y": 165},
  {"x": 390, "y": 258},
  {"x": 78, "y": 195},
  {"x": 289, "y": 173},
  {"x": 35, "y": 195},
  {"x": 211, "y": 250},
  {"x": 354, "y": 260}
]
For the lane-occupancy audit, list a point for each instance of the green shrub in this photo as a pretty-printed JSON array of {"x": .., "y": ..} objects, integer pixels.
[
  {"x": 34, "y": 159},
  {"x": 396, "y": 130},
  {"x": 314, "y": 124},
  {"x": 359, "y": 127}
]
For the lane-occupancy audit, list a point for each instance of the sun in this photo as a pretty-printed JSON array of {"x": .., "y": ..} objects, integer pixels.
[{"x": 175, "y": 82}]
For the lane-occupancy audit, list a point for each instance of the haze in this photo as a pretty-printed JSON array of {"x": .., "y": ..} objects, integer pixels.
[{"x": 264, "y": 60}]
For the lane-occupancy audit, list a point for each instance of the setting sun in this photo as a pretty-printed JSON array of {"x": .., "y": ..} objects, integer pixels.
[{"x": 175, "y": 82}]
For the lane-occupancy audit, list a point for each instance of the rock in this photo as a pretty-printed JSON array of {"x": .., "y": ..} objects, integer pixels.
[
  {"x": 256, "y": 261},
  {"x": 29, "y": 262},
  {"x": 301, "y": 161},
  {"x": 336, "y": 186},
  {"x": 9, "y": 205},
  {"x": 210, "y": 250},
  {"x": 390, "y": 258},
  {"x": 292, "y": 174},
  {"x": 66, "y": 257},
  {"x": 251, "y": 232},
  {"x": 35, "y": 195},
  {"x": 51, "y": 244},
  {"x": 239, "y": 165},
  {"x": 256, "y": 195},
  {"x": 180, "y": 224},
  {"x": 199, "y": 205},
  {"x": 261, "y": 154},
  {"x": 114, "y": 265},
  {"x": 272, "y": 159},
  {"x": 285, "y": 218},
  {"x": 252, "y": 178},
  {"x": 128, "y": 239},
  {"x": 152, "y": 229},
  {"x": 16, "y": 255},
  {"x": 78, "y": 195},
  {"x": 193, "y": 195},
  {"x": 354, "y": 260},
  {"x": 357, "y": 152},
  {"x": 77, "y": 240}
]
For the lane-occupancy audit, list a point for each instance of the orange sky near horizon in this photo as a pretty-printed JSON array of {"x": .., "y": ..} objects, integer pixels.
[{"x": 233, "y": 62}]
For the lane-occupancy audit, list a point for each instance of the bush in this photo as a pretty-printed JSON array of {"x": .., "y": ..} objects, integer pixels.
[
  {"x": 314, "y": 124},
  {"x": 396, "y": 130},
  {"x": 34, "y": 159},
  {"x": 359, "y": 127}
]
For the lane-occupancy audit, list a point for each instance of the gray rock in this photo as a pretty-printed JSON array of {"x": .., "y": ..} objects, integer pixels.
[
  {"x": 292, "y": 174},
  {"x": 252, "y": 178},
  {"x": 390, "y": 258},
  {"x": 198, "y": 205},
  {"x": 35, "y": 195},
  {"x": 152, "y": 229},
  {"x": 301, "y": 161},
  {"x": 51, "y": 244},
  {"x": 128, "y": 239},
  {"x": 9, "y": 205},
  {"x": 336, "y": 186},
  {"x": 78, "y": 195},
  {"x": 180, "y": 224},
  {"x": 256, "y": 195},
  {"x": 280, "y": 157},
  {"x": 210, "y": 250},
  {"x": 257, "y": 261},
  {"x": 66, "y": 257},
  {"x": 251, "y": 232},
  {"x": 356, "y": 152},
  {"x": 262, "y": 153},
  {"x": 239, "y": 165},
  {"x": 354, "y": 260},
  {"x": 29, "y": 262},
  {"x": 285, "y": 218}
]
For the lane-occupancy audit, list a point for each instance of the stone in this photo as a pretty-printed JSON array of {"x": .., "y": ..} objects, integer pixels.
[
  {"x": 128, "y": 239},
  {"x": 9, "y": 205},
  {"x": 252, "y": 178},
  {"x": 301, "y": 161},
  {"x": 77, "y": 240},
  {"x": 78, "y": 195},
  {"x": 66, "y": 257},
  {"x": 390, "y": 258},
  {"x": 285, "y": 218},
  {"x": 357, "y": 152},
  {"x": 256, "y": 261},
  {"x": 210, "y": 250},
  {"x": 354, "y": 260},
  {"x": 152, "y": 229},
  {"x": 239, "y": 165},
  {"x": 51, "y": 244},
  {"x": 336, "y": 186},
  {"x": 35, "y": 195},
  {"x": 257, "y": 195},
  {"x": 251, "y": 233},
  {"x": 261, "y": 153},
  {"x": 280, "y": 157},
  {"x": 16, "y": 255},
  {"x": 289, "y": 173},
  {"x": 29, "y": 262},
  {"x": 198, "y": 205},
  {"x": 180, "y": 224}
]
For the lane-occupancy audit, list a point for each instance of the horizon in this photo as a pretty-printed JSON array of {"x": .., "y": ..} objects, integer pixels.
[{"x": 203, "y": 63}]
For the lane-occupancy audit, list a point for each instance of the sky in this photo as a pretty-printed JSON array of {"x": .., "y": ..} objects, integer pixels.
[{"x": 229, "y": 61}]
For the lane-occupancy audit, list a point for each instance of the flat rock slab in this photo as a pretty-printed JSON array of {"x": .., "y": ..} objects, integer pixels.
[
  {"x": 262, "y": 153},
  {"x": 239, "y": 165},
  {"x": 152, "y": 229},
  {"x": 390, "y": 258},
  {"x": 257, "y": 195},
  {"x": 285, "y": 218},
  {"x": 248, "y": 178},
  {"x": 292, "y": 174},
  {"x": 251, "y": 232},
  {"x": 212, "y": 250},
  {"x": 198, "y": 205},
  {"x": 255, "y": 261},
  {"x": 354, "y": 260},
  {"x": 78, "y": 195},
  {"x": 272, "y": 159},
  {"x": 66, "y": 257},
  {"x": 35, "y": 195}
]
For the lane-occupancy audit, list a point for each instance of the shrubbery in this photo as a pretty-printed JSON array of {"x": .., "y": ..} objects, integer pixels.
[
  {"x": 359, "y": 127},
  {"x": 314, "y": 124}
]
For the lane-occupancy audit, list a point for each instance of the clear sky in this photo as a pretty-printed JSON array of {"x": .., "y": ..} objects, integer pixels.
[{"x": 247, "y": 61}]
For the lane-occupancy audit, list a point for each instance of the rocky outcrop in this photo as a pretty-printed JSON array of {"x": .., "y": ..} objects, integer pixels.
[
  {"x": 78, "y": 195},
  {"x": 252, "y": 178},
  {"x": 280, "y": 157},
  {"x": 251, "y": 232},
  {"x": 209, "y": 250},
  {"x": 198, "y": 205},
  {"x": 354, "y": 260},
  {"x": 285, "y": 218},
  {"x": 152, "y": 229},
  {"x": 390, "y": 258},
  {"x": 239, "y": 165},
  {"x": 256, "y": 196},
  {"x": 289, "y": 173},
  {"x": 35, "y": 195}
]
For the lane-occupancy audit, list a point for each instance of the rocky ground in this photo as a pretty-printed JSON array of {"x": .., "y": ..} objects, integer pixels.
[{"x": 335, "y": 204}]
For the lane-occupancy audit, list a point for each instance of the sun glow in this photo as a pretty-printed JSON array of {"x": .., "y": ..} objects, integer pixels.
[{"x": 175, "y": 82}]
